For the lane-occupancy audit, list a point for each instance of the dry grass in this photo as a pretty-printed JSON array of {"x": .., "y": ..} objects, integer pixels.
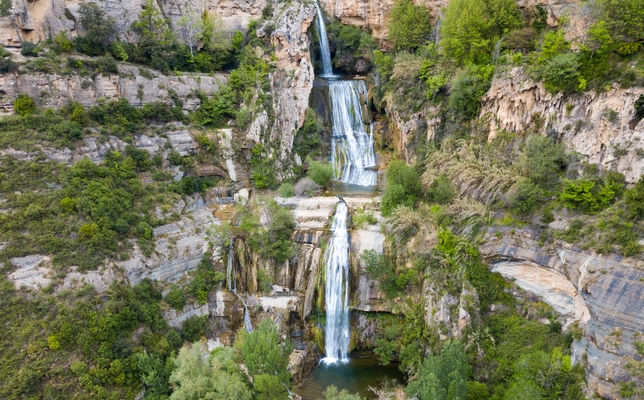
[
  {"x": 468, "y": 215},
  {"x": 474, "y": 175}
]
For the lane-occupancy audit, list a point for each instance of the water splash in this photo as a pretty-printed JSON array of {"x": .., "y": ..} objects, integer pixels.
[
  {"x": 327, "y": 70},
  {"x": 336, "y": 292},
  {"x": 352, "y": 152},
  {"x": 231, "y": 282}
]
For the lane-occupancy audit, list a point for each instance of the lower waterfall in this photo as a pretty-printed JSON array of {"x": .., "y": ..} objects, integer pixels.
[
  {"x": 336, "y": 293},
  {"x": 352, "y": 152}
]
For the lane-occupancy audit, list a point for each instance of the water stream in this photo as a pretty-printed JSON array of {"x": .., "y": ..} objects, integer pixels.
[
  {"x": 336, "y": 292},
  {"x": 327, "y": 70},
  {"x": 231, "y": 282},
  {"x": 352, "y": 152}
]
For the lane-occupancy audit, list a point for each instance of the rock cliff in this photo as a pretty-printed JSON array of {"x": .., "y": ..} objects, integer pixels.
[
  {"x": 39, "y": 20},
  {"x": 56, "y": 90},
  {"x": 604, "y": 294},
  {"x": 600, "y": 126}
]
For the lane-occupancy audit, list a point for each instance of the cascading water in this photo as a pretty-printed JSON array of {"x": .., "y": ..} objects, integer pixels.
[
  {"x": 231, "y": 282},
  {"x": 327, "y": 70},
  {"x": 352, "y": 152},
  {"x": 337, "y": 289}
]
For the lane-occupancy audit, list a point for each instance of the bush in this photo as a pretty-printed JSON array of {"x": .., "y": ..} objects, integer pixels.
[
  {"x": 468, "y": 88},
  {"x": 286, "y": 190},
  {"x": 442, "y": 190},
  {"x": 7, "y": 65},
  {"x": 194, "y": 328},
  {"x": 29, "y": 49},
  {"x": 543, "y": 160},
  {"x": 403, "y": 187},
  {"x": 526, "y": 198},
  {"x": 107, "y": 66},
  {"x": 561, "y": 74},
  {"x": 590, "y": 196},
  {"x": 465, "y": 31},
  {"x": 634, "y": 199},
  {"x": 625, "y": 19},
  {"x": 62, "y": 43},
  {"x": 176, "y": 298},
  {"x": 320, "y": 173},
  {"x": 410, "y": 25},
  {"x": 24, "y": 105},
  {"x": 99, "y": 29}
]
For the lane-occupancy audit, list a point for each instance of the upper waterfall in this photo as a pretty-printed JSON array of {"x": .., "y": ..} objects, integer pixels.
[
  {"x": 327, "y": 70},
  {"x": 336, "y": 293},
  {"x": 352, "y": 152}
]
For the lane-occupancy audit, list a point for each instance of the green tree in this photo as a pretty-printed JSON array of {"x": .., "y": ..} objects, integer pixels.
[
  {"x": 200, "y": 376},
  {"x": 24, "y": 105},
  {"x": 320, "y": 173},
  {"x": 176, "y": 298},
  {"x": 266, "y": 357},
  {"x": 465, "y": 32},
  {"x": 442, "y": 377},
  {"x": 625, "y": 21},
  {"x": 332, "y": 393},
  {"x": 99, "y": 29},
  {"x": 410, "y": 25},
  {"x": 543, "y": 160},
  {"x": 505, "y": 16},
  {"x": 554, "y": 44},
  {"x": 561, "y": 74}
]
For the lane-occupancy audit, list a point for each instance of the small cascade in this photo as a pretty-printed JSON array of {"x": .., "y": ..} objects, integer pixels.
[
  {"x": 337, "y": 290},
  {"x": 352, "y": 151},
  {"x": 231, "y": 276},
  {"x": 231, "y": 282},
  {"x": 327, "y": 70}
]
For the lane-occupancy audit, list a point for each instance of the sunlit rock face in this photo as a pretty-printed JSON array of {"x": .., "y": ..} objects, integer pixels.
[
  {"x": 604, "y": 294},
  {"x": 581, "y": 122}
]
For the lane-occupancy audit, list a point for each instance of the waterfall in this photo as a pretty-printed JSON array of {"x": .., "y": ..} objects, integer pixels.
[
  {"x": 352, "y": 147},
  {"x": 336, "y": 292},
  {"x": 327, "y": 70},
  {"x": 231, "y": 282}
]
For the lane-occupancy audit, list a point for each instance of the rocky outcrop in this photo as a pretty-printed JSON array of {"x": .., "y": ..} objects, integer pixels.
[
  {"x": 375, "y": 15},
  {"x": 36, "y": 21},
  {"x": 599, "y": 126},
  {"x": 610, "y": 288},
  {"x": 179, "y": 247},
  {"x": 33, "y": 272},
  {"x": 54, "y": 90},
  {"x": 291, "y": 83}
]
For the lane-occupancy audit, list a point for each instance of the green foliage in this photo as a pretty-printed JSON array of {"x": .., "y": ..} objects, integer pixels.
[
  {"x": 505, "y": 16},
  {"x": 194, "y": 328},
  {"x": 361, "y": 217},
  {"x": 465, "y": 31},
  {"x": 320, "y": 173},
  {"x": 410, "y": 25},
  {"x": 625, "y": 21},
  {"x": 553, "y": 45},
  {"x": 309, "y": 138},
  {"x": 591, "y": 196},
  {"x": 543, "y": 160},
  {"x": 526, "y": 198},
  {"x": 24, "y": 105},
  {"x": 468, "y": 88},
  {"x": 441, "y": 190},
  {"x": 62, "y": 43},
  {"x": 5, "y": 8},
  {"x": 6, "y": 64},
  {"x": 29, "y": 49},
  {"x": 277, "y": 243},
  {"x": 561, "y": 74},
  {"x": 99, "y": 29},
  {"x": 403, "y": 187},
  {"x": 176, "y": 298},
  {"x": 351, "y": 43},
  {"x": 286, "y": 190},
  {"x": 443, "y": 376},
  {"x": 216, "y": 377},
  {"x": 634, "y": 199},
  {"x": 205, "y": 280},
  {"x": 266, "y": 357}
]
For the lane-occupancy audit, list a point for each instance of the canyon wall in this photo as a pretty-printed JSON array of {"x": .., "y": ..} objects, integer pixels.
[{"x": 599, "y": 126}]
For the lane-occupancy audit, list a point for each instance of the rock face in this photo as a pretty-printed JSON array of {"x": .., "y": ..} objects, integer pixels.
[
  {"x": 33, "y": 271},
  {"x": 600, "y": 126},
  {"x": 611, "y": 289},
  {"x": 374, "y": 15},
  {"x": 54, "y": 91},
  {"x": 291, "y": 83},
  {"x": 35, "y": 21},
  {"x": 179, "y": 247}
]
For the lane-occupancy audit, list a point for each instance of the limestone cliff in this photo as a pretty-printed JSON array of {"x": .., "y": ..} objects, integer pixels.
[
  {"x": 39, "y": 20},
  {"x": 375, "y": 15},
  {"x": 57, "y": 90},
  {"x": 604, "y": 294},
  {"x": 600, "y": 126}
]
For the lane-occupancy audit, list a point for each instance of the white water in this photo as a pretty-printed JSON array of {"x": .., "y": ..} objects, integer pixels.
[
  {"x": 231, "y": 281},
  {"x": 352, "y": 147},
  {"x": 327, "y": 70},
  {"x": 336, "y": 292}
]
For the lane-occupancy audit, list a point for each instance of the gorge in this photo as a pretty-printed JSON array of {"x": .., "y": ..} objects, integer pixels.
[{"x": 269, "y": 200}]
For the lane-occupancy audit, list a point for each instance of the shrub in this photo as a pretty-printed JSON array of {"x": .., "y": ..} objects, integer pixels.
[
  {"x": 441, "y": 190},
  {"x": 553, "y": 45},
  {"x": 176, "y": 298},
  {"x": 62, "y": 43},
  {"x": 543, "y": 160},
  {"x": 625, "y": 19},
  {"x": 465, "y": 31},
  {"x": 320, "y": 173},
  {"x": 194, "y": 328},
  {"x": 467, "y": 89},
  {"x": 99, "y": 29},
  {"x": 24, "y": 105},
  {"x": 590, "y": 197},
  {"x": 526, "y": 198},
  {"x": 308, "y": 139},
  {"x": 7, "y": 65},
  {"x": 634, "y": 199},
  {"x": 29, "y": 49},
  {"x": 403, "y": 187},
  {"x": 561, "y": 74},
  {"x": 286, "y": 190},
  {"x": 107, "y": 66},
  {"x": 639, "y": 107},
  {"x": 410, "y": 25}
]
